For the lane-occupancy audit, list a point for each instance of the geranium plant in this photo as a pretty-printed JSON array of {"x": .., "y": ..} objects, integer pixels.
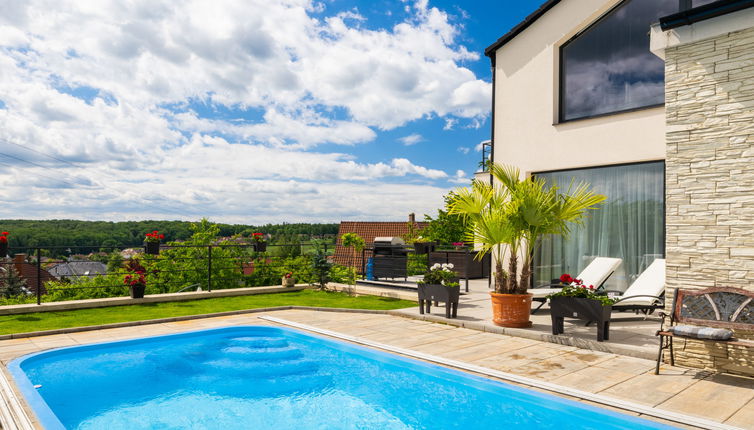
[
  {"x": 573, "y": 287},
  {"x": 154, "y": 236},
  {"x": 4, "y": 237},
  {"x": 441, "y": 274},
  {"x": 288, "y": 275},
  {"x": 136, "y": 274},
  {"x": 257, "y": 237}
]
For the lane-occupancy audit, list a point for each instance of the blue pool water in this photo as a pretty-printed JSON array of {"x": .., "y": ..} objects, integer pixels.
[{"x": 273, "y": 378}]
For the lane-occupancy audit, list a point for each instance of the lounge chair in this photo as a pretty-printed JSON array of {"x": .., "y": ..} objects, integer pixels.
[
  {"x": 596, "y": 273},
  {"x": 646, "y": 293}
]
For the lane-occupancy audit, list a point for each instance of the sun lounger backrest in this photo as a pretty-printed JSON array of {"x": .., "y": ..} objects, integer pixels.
[
  {"x": 651, "y": 282},
  {"x": 597, "y": 272}
]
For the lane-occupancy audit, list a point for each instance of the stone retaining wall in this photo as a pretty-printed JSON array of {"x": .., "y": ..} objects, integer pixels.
[{"x": 709, "y": 102}]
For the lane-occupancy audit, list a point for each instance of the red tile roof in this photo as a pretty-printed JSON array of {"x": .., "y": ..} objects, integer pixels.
[
  {"x": 28, "y": 271},
  {"x": 368, "y": 230}
]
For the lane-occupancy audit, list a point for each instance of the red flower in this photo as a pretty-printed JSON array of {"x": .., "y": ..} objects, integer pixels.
[
  {"x": 591, "y": 287},
  {"x": 5, "y": 233},
  {"x": 162, "y": 236},
  {"x": 3, "y": 239},
  {"x": 566, "y": 278}
]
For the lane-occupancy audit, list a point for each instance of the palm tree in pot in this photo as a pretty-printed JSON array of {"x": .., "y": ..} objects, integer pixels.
[{"x": 508, "y": 220}]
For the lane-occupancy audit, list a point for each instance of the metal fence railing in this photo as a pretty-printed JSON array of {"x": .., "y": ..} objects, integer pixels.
[{"x": 57, "y": 273}]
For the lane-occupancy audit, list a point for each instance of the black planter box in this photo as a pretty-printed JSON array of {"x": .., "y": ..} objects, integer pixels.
[
  {"x": 260, "y": 246},
  {"x": 582, "y": 309},
  {"x": 465, "y": 264},
  {"x": 137, "y": 291},
  {"x": 439, "y": 293},
  {"x": 3, "y": 249},
  {"x": 424, "y": 247},
  {"x": 152, "y": 248}
]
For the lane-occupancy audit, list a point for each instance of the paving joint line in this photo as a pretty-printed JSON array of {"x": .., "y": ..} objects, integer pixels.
[{"x": 530, "y": 382}]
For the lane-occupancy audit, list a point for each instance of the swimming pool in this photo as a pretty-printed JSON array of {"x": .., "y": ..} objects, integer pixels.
[{"x": 278, "y": 378}]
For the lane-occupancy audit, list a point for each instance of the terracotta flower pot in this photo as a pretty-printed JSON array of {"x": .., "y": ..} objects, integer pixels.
[{"x": 511, "y": 310}]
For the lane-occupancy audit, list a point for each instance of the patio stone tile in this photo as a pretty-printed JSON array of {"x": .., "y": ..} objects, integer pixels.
[
  {"x": 627, "y": 364},
  {"x": 651, "y": 389},
  {"x": 10, "y": 354},
  {"x": 550, "y": 368},
  {"x": 744, "y": 418},
  {"x": 482, "y": 351},
  {"x": 53, "y": 341},
  {"x": 519, "y": 357},
  {"x": 593, "y": 379},
  {"x": 397, "y": 339},
  {"x": 717, "y": 397},
  {"x": 439, "y": 348},
  {"x": 17, "y": 341}
]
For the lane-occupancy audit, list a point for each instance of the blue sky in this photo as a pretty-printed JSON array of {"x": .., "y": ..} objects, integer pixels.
[{"x": 243, "y": 111}]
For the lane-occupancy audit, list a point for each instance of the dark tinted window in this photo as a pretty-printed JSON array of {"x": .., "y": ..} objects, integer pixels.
[{"x": 608, "y": 67}]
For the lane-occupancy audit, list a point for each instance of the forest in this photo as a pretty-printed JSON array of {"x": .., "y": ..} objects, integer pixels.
[{"x": 91, "y": 236}]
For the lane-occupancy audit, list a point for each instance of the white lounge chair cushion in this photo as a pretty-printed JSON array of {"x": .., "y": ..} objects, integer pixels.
[
  {"x": 599, "y": 270},
  {"x": 651, "y": 282},
  {"x": 541, "y": 293}
]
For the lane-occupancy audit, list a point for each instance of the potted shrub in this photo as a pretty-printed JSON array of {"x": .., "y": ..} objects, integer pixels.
[
  {"x": 440, "y": 284},
  {"x": 152, "y": 242},
  {"x": 259, "y": 242},
  {"x": 4, "y": 244},
  {"x": 508, "y": 220},
  {"x": 577, "y": 300},
  {"x": 288, "y": 280},
  {"x": 135, "y": 279}
]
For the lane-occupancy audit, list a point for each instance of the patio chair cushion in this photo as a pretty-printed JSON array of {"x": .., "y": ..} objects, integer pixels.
[
  {"x": 701, "y": 332},
  {"x": 541, "y": 293},
  {"x": 650, "y": 284},
  {"x": 599, "y": 270}
]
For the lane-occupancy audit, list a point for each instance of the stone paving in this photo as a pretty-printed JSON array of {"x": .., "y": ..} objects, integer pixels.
[
  {"x": 630, "y": 334},
  {"x": 720, "y": 398}
]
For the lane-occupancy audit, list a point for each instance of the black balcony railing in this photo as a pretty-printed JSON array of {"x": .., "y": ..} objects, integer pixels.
[{"x": 57, "y": 273}]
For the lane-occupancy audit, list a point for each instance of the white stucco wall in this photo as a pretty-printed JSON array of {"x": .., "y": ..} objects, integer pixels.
[{"x": 526, "y": 98}]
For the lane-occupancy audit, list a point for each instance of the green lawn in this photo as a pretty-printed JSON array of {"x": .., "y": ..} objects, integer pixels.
[{"x": 84, "y": 317}]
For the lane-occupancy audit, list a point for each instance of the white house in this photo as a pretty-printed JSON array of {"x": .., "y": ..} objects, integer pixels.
[{"x": 652, "y": 102}]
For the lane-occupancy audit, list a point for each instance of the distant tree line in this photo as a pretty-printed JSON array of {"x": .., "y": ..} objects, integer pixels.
[{"x": 84, "y": 237}]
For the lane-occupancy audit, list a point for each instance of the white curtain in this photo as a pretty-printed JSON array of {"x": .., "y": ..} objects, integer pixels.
[{"x": 629, "y": 224}]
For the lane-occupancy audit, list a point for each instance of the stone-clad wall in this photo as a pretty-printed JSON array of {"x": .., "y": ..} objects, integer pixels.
[{"x": 709, "y": 102}]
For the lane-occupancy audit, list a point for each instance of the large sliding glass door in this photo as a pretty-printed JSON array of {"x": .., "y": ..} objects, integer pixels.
[{"x": 630, "y": 224}]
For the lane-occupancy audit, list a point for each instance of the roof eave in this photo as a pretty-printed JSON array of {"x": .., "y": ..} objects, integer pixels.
[
  {"x": 521, "y": 26},
  {"x": 701, "y": 13}
]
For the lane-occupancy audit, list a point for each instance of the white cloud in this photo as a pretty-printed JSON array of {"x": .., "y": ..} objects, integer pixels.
[
  {"x": 480, "y": 145},
  {"x": 464, "y": 150},
  {"x": 411, "y": 139},
  {"x": 460, "y": 178},
  {"x": 113, "y": 88}
]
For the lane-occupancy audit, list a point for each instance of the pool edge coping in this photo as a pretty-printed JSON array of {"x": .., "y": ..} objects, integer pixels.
[
  {"x": 625, "y": 405},
  {"x": 562, "y": 339}
]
